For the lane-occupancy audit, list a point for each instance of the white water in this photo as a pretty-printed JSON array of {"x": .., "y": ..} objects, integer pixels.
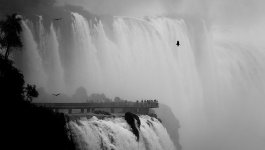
[
  {"x": 40, "y": 61},
  {"x": 215, "y": 85},
  {"x": 109, "y": 134},
  {"x": 49, "y": 50},
  {"x": 29, "y": 60}
]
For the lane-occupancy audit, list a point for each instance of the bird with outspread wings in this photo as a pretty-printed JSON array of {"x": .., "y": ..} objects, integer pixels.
[{"x": 56, "y": 94}]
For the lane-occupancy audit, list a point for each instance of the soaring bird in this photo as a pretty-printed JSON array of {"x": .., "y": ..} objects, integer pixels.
[
  {"x": 56, "y": 94},
  {"x": 57, "y": 19},
  {"x": 178, "y": 43}
]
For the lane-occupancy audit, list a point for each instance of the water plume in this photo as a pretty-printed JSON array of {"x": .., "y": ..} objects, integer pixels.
[{"x": 214, "y": 81}]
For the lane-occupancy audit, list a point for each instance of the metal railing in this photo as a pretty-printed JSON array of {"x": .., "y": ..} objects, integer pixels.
[{"x": 126, "y": 104}]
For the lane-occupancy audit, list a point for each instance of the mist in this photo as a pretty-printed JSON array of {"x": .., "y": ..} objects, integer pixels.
[{"x": 215, "y": 83}]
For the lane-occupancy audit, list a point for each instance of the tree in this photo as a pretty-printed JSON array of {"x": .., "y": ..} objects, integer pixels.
[
  {"x": 11, "y": 82},
  {"x": 30, "y": 92},
  {"x": 117, "y": 99},
  {"x": 10, "y": 30}
]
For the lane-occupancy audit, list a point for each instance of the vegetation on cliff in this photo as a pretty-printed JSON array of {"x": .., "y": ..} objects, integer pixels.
[{"x": 26, "y": 126}]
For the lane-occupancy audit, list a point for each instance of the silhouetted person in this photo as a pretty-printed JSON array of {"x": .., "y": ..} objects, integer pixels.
[{"x": 178, "y": 43}]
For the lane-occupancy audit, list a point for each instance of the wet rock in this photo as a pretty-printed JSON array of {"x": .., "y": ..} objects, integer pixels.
[{"x": 135, "y": 123}]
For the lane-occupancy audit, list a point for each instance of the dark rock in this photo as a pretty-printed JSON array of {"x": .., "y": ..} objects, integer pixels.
[{"x": 135, "y": 123}]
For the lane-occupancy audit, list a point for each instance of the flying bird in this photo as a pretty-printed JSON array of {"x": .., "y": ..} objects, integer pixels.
[
  {"x": 56, "y": 94},
  {"x": 178, "y": 43},
  {"x": 57, "y": 19}
]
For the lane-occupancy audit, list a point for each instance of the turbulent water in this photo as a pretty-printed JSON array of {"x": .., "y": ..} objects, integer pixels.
[
  {"x": 213, "y": 82},
  {"x": 116, "y": 134}
]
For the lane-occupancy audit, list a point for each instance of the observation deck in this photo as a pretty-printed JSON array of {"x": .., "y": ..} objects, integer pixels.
[{"x": 112, "y": 107}]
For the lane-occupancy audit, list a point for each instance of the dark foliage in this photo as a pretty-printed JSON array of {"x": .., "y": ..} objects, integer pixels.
[
  {"x": 25, "y": 125},
  {"x": 12, "y": 82},
  {"x": 30, "y": 92},
  {"x": 10, "y": 30},
  {"x": 28, "y": 126}
]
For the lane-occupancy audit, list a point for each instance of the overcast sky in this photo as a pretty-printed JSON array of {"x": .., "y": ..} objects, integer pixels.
[
  {"x": 221, "y": 11},
  {"x": 217, "y": 10}
]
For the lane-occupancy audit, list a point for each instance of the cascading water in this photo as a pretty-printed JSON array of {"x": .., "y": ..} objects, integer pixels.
[
  {"x": 29, "y": 60},
  {"x": 116, "y": 134},
  {"x": 49, "y": 50},
  {"x": 40, "y": 61},
  {"x": 215, "y": 88}
]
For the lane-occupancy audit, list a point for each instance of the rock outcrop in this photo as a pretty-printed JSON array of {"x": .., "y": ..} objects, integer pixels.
[{"x": 135, "y": 123}]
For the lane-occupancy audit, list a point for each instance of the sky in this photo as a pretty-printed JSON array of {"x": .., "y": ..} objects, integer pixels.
[
  {"x": 214, "y": 10},
  {"x": 218, "y": 11}
]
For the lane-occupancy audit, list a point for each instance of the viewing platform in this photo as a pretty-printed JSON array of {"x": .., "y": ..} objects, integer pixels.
[{"x": 112, "y": 107}]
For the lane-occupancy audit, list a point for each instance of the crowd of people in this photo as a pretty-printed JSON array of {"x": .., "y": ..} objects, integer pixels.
[{"x": 148, "y": 101}]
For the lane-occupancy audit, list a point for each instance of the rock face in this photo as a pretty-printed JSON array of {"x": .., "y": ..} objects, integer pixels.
[
  {"x": 135, "y": 123},
  {"x": 170, "y": 122}
]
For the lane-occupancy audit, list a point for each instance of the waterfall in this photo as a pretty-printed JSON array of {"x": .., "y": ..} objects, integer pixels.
[
  {"x": 29, "y": 59},
  {"x": 40, "y": 60},
  {"x": 213, "y": 82},
  {"x": 49, "y": 49},
  {"x": 138, "y": 59},
  {"x": 132, "y": 63},
  {"x": 115, "y": 133}
]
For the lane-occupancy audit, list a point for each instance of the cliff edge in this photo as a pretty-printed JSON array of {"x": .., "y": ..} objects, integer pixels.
[{"x": 170, "y": 122}]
